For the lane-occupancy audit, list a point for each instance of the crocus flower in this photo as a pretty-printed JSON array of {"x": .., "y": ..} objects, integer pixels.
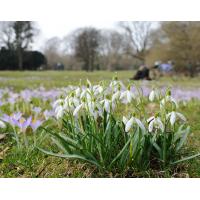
[
  {"x": 48, "y": 114},
  {"x": 174, "y": 115},
  {"x": 35, "y": 124},
  {"x": 37, "y": 110},
  {"x": 23, "y": 123},
  {"x": 11, "y": 118}
]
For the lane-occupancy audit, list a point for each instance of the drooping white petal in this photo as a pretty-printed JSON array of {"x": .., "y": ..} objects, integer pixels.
[
  {"x": 107, "y": 106},
  {"x": 160, "y": 124},
  {"x": 59, "y": 113},
  {"x": 174, "y": 101},
  {"x": 172, "y": 118},
  {"x": 78, "y": 92},
  {"x": 2, "y": 124},
  {"x": 129, "y": 124},
  {"x": 140, "y": 124},
  {"x": 77, "y": 109},
  {"x": 151, "y": 126},
  {"x": 152, "y": 96},
  {"x": 125, "y": 120},
  {"x": 181, "y": 116},
  {"x": 57, "y": 102},
  {"x": 116, "y": 96},
  {"x": 129, "y": 96},
  {"x": 123, "y": 94},
  {"x": 150, "y": 119}
]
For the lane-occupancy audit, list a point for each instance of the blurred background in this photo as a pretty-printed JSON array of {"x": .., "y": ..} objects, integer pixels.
[{"x": 160, "y": 47}]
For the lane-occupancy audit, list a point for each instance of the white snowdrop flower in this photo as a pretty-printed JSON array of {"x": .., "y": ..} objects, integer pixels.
[
  {"x": 2, "y": 124},
  {"x": 127, "y": 95},
  {"x": 125, "y": 120},
  {"x": 116, "y": 84},
  {"x": 77, "y": 109},
  {"x": 107, "y": 105},
  {"x": 168, "y": 98},
  {"x": 174, "y": 115},
  {"x": 129, "y": 123},
  {"x": 78, "y": 92},
  {"x": 58, "y": 102},
  {"x": 98, "y": 89},
  {"x": 89, "y": 84},
  {"x": 116, "y": 95},
  {"x": 59, "y": 112},
  {"x": 86, "y": 93},
  {"x": 153, "y": 94},
  {"x": 155, "y": 122}
]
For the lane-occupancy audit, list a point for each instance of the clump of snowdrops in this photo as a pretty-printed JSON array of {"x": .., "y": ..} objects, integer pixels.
[{"x": 115, "y": 127}]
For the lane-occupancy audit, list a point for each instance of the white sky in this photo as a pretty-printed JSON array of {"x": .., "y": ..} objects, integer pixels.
[{"x": 49, "y": 29}]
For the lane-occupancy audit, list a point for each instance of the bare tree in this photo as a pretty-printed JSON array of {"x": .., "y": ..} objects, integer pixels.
[
  {"x": 87, "y": 47},
  {"x": 52, "y": 51},
  {"x": 6, "y": 35},
  {"x": 17, "y": 36},
  {"x": 137, "y": 34},
  {"x": 111, "y": 48}
]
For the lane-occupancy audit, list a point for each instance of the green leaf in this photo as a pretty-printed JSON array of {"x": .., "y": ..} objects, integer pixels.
[
  {"x": 69, "y": 156},
  {"x": 185, "y": 159},
  {"x": 121, "y": 152},
  {"x": 183, "y": 139}
]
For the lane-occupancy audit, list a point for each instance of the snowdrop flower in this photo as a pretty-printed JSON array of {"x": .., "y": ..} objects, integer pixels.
[
  {"x": 107, "y": 105},
  {"x": 2, "y": 124},
  {"x": 58, "y": 103},
  {"x": 116, "y": 95},
  {"x": 127, "y": 95},
  {"x": 129, "y": 123},
  {"x": 174, "y": 115},
  {"x": 78, "y": 92},
  {"x": 155, "y": 122},
  {"x": 77, "y": 109},
  {"x": 89, "y": 84},
  {"x": 59, "y": 111},
  {"x": 98, "y": 89},
  {"x": 86, "y": 93},
  {"x": 153, "y": 94},
  {"x": 168, "y": 98},
  {"x": 115, "y": 84}
]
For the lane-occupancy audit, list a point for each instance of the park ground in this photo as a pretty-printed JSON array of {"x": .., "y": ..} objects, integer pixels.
[{"x": 36, "y": 164}]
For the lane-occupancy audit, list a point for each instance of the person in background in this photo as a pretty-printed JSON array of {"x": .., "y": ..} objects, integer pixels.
[{"x": 142, "y": 73}]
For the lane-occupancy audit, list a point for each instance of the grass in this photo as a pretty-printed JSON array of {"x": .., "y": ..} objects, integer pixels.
[
  {"x": 14, "y": 163},
  {"x": 49, "y": 79}
]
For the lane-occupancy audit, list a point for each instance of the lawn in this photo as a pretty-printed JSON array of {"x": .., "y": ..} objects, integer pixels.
[{"x": 31, "y": 162}]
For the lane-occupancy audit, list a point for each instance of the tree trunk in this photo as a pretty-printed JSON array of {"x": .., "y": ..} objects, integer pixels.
[{"x": 20, "y": 59}]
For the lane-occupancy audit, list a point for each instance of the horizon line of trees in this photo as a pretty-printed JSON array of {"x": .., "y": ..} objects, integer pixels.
[{"x": 132, "y": 44}]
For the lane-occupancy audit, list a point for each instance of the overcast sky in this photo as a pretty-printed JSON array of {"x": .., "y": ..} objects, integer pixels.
[{"x": 49, "y": 29}]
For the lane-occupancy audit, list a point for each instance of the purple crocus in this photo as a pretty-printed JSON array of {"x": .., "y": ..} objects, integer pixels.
[
  {"x": 35, "y": 124},
  {"x": 22, "y": 123},
  {"x": 48, "y": 114},
  {"x": 11, "y": 118},
  {"x": 37, "y": 110}
]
